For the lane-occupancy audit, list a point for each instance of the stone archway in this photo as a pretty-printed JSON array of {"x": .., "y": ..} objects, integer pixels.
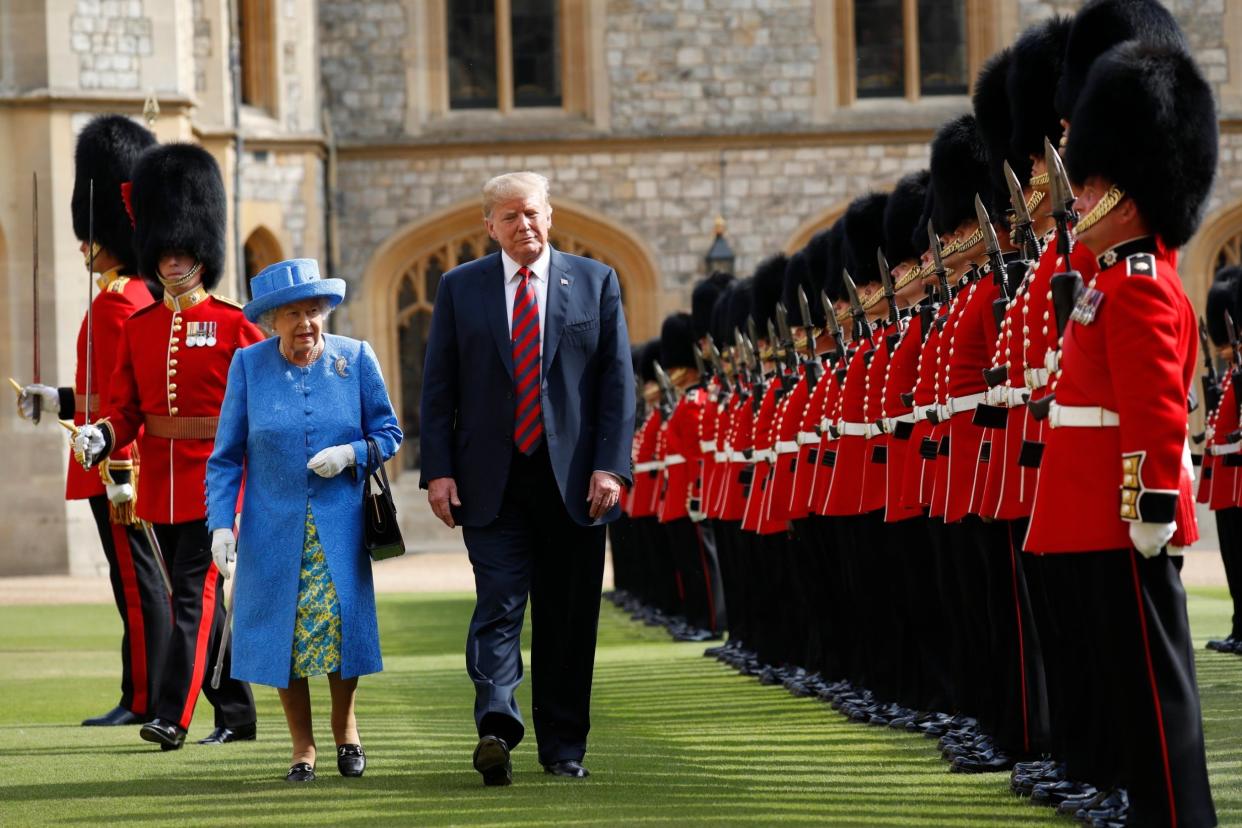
[
  {"x": 820, "y": 221},
  {"x": 261, "y": 249},
  {"x": 399, "y": 284},
  {"x": 1218, "y": 242}
]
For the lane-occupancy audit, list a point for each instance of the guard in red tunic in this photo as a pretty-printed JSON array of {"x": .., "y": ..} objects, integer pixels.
[
  {"x": 1220, "y": 485},
  {"x": 106, "y": 151},
  {"x": 172, "y": 365},
  {"x": 1114, "y": 484}
]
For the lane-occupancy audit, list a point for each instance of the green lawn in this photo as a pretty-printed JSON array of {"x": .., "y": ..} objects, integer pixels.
[{"x": 678, "y": 738}]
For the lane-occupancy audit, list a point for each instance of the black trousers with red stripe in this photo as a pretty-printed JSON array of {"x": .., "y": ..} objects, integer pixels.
[
  {"x": 1125, "y": 617},
  {"x": 198, "y": 624},
  {"x": 1229, "y": 531},
  {"x": 141, "y": 601}
]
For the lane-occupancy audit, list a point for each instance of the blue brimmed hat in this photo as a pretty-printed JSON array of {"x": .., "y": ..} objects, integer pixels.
[{"x": 292, "y": 280}]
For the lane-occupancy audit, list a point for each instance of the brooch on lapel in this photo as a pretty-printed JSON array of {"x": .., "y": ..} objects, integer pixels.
[
  {"x": 341, "y": 367},
  {"x": 564, "y": 282}
]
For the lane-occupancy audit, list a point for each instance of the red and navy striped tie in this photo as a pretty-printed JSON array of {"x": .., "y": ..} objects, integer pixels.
[{"x": 528, "y": 421}]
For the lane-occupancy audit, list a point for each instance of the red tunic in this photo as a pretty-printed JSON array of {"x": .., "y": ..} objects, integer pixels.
[
  {"x": 845, "y": 492},
  {"x": 764, "y": 462},
  {"x": 1222, "y": 486},
  {"x": 900, "y": 377},
  {"x": 681, "y": 455},
  {"x": 642, "y": 501},
  {"x": 118, "y": 298},
  {"x": 161, "y": 372},
  {"x": 741, "y": 440},
  {"x": 705, "y": 466},
  {"x": 826, "y": 451},
  {"x": 789, "y": 415},
  {"x": 1137, "y": 358},
  {"x": 808, "y": 445},
  {"x": 919, "y": 470},
  {"x": 875, "y": 462}
]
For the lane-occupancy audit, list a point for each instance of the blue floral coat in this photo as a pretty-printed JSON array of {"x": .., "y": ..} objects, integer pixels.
[{"x": 275, "y": 417}]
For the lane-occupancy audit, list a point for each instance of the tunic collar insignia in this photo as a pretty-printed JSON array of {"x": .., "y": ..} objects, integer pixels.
[{"x": 186, "y": 300}]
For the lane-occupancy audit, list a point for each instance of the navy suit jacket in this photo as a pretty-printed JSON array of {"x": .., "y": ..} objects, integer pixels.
[{"x": 587, "y": 385}]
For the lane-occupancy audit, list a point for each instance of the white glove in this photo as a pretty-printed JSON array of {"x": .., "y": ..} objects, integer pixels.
[
  {"x": 119, "y": 493},
  {"x": 1150, "y": 538},
  {"x": 49, "y": 395},
  {"x": 224, "y": 551},
  {"x": 332, "y": 461},
  {"x": 88, "y": 444}
]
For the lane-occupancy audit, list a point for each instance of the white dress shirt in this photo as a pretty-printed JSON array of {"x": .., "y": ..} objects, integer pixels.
[{"x": 538, "y": 280}]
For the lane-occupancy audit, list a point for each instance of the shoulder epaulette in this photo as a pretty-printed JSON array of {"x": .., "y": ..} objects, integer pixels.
[
  {"x": 1141, "y": 264},
  {"x": 227, "y": 300},
  {"x": 118, "y": 284}
]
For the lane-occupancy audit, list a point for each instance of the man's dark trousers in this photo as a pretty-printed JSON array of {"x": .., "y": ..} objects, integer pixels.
[{"x": 534, "y": 547}]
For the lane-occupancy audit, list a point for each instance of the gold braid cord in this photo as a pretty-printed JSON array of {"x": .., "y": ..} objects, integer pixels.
[
  {"x": 121, "y": 514},
  {"x": 1102, "y": 208}
]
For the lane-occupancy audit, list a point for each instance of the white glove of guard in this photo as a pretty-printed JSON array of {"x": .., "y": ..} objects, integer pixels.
[
  {"x": 119, "y": 493},
  {"x": 1150, "y": 538},
  {"x": 88, "y": 444},
  {"x": 332, "y": 461},
  {"x": 224, "y": 551},
  {"x": 49, "y": 395}
]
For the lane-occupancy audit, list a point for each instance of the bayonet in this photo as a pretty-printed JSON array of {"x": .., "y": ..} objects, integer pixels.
[
  {"x": 1062, "y": 199},
  {"x": 1023, "y": 230},
  {"x": 992, "y": 245},
  {"x": 942, "y": 278},
  {"x": 38, "y": 367},
  {"x": 1211, "y": 380},
  {"x": 886, "y": 279},
  {"x": 856, "y": 308},
  {"x": 699, "y": 365},
  {"x": 668, "y": 397},
  {"x": 752, "y": 330},
  {"x": 787, "y": 344},
  {"x": 804, "y": 308},
  {"x": 830, "y": 321}
]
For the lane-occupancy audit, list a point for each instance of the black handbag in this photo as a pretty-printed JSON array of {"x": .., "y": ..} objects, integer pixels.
[{"x": 381, "y": 532}]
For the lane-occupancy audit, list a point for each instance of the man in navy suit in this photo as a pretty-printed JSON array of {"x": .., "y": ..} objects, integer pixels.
[{"x": 527, "y": 418}]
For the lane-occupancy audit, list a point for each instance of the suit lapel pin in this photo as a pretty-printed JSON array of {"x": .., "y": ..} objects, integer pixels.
[
  {"x": 565, "y": 282},
  {"x": 340, "y": 366}
]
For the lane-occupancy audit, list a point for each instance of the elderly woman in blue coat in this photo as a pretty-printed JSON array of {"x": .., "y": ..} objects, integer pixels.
[{"x": 297, "y": 415}]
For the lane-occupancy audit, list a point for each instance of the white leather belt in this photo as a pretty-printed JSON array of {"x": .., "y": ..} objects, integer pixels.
[
  {"x": 674, "y": 459},
  {"x": 764, "y": 456},
  {"x": 650, "y": 465},
  {"x": 824, "y": 424},
  {"x": 854, "y": 429},
  {"x": 1052, "y": 362},
  {"x": 787, "y": 446},
  {"x": 967, "y": 402},
  {"x": 890, "y": 423},
  {"x": 721, "y": 457},
  {"x": 738, "y": 457},
  {"x": 707, "y": 446},
  {"x": 1007, "y": 395},
  {"x": 1225, "y": 448},
  {"x": 1081, "y": 416},
  {"x": 807, "y": 437},
  {"x": 1036, "y": 378},
  {"x": 920, "y": 411}
]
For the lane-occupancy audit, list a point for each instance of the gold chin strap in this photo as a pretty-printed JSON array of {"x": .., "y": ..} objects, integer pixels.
[
  {"x": 1037, "y": 196},
  {"x": 1102, "y": 208},
  {"x": 962, "y": 245},
  {"x": 1040, "y": 180},
  {"x": 181, "y": 280}
]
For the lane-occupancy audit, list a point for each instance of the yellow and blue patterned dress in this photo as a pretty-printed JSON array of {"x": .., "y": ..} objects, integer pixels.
[{"x": 317, "y": 631}]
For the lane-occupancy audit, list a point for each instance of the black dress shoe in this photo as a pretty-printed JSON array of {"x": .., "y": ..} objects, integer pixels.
[
  {"x": 350, "y": 760},
  {"x": 301, "y": 772},
  {"x": 569, "y": 768},
  {"x": 992, "y": 761},
  {"x": 222, "y": 735},
  {"x": 167, "y": 735},
  {"x": 1222, "y": 645},
  {"x": 491, "y": 759},
  {"x": 115, "y": 717}
]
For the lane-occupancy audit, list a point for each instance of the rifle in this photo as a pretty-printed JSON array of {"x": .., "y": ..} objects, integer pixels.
[
  {"x": 1067, "y": 284},
  {"x": 995, "y": 260},
  {"x": 1211, "y": 380},
  {"x": 668, "y": 395}
]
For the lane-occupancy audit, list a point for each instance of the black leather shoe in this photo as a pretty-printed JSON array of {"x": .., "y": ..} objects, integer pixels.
[
  {"x": 569, "y": 768},
  {"x": 115, "y": 717},
  {"x": 301, "y": 772},
  {"x": 1222, "y": 645},
  {"x": 350, "y": 760},
  {"x": 991, "y": 761},
  {"x": 491, "y": 759},
  {"x": 1054, "y": 793},
  {"x": 167, "y": 735},
  {"x": 222, "y": 735}
]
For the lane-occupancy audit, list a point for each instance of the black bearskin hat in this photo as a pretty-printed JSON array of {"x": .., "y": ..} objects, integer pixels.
[
  {"x": 731, "y": 312},
  {"x": 1146, "y": 121},
  {"x": 647, "y": 359},
  {"x": 769, "y": 278},
  {"x": 918, "y": 236},
  {"x": 1034, "y": 69},
  {"x": 797, "y": 275},
  {"x": 815, "y": 259},
  {"x": 107, "y": 149},
  {"x": 703, "y": 299},
  {"x": 864, "y": 235},
  {"x": 1221, "y": 299},
  {"x": 677, "y": 341},
  {"x": 901, "y": 218},
  {"x": 1101, "y": 25},
  {"x": 834, "y": 261},
  {"x": 179, "y": 204},
  {"x": 991, "y": 103},
  {"x": 959, "y": 171}
]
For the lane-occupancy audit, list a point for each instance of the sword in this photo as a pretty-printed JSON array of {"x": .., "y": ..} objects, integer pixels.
[
  {"x": 90, "y": 299},
  {"x": 149, "y": 531},
  {"x": 38, "y": 373},
  {"x": 226, "y": 639}
]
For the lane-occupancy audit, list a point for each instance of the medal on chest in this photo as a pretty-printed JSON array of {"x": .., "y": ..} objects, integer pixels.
[
  {"x": 1087, "y": 306},
  {"x": 200, "y": 335}
]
